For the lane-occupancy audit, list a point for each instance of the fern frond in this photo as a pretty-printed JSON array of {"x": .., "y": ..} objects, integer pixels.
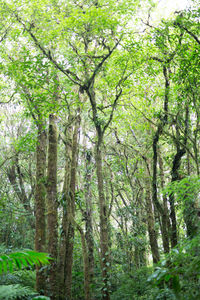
[
  {"x": 15, "y": 291},
  {"x": 17, "y": 260},
  {"x": 22, "y": 277}
]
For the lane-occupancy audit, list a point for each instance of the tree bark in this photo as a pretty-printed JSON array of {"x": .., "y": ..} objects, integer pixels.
[
  {"x": 104, "y": 239},
  {"x": 88, "y": 217},
  {"x": 52, "y": 205},
  {"x": 175, "y": 177},
  {"x": 86, "y": 269},
  {"x": 165, "y": 222},
  {"x": 175, "y": 174},
  {"x": 71, "y": 213},
  {"x": 15, "y": 177},
  {"x": 151, "y": 223},
  {"x": 103, "y": 209},
  {"x": 65, "y": 195},
  {"x": 40, "y": 195}
]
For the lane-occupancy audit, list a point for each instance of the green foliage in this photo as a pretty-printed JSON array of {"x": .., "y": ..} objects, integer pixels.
[
  {"x": 41, "y": 298},
  {"x": 186, "y": 192},
  {"x": 22, "y": 277},
  {"x": 179, "y": 272},
  {"x": 20, "y": 284},
  {"x": 79, "y": 37},
  {"x": 132, "y": 285},
  {"x": 15, "y": 291},
  {"x": 26, "y": 143},
  {"x": 17, "y": 260}
]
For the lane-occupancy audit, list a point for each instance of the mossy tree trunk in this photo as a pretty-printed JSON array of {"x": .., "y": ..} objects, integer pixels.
[
  {"x": 151, "y": 222},
  {"x": 40, "y": 195},
  {"x": 88, "y": 216},
  {"x": 52, "y": 205},
  {"x": 71, "y": 212},
  {"x": 65, "y": 195}
]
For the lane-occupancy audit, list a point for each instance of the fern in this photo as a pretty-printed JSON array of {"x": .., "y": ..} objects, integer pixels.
[
  {"x": 22, "y": 277},
  {"x": 18, "y": 260},
  {"x": 15, "y": 291},
  {"x": 9, "y": 262}
]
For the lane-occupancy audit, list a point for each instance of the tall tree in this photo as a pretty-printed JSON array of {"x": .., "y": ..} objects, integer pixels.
[{"x": 52, "y": 205}]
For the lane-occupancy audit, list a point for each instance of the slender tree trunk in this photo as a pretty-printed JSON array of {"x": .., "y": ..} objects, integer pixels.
[
  {"x": 40, "y": 194},
  {"x": 180, "y": 151},
  {"x": 15, "y": 177},
  {"x": 71, "y": 213},
  {"x": 104, "y": 214},
  {"x": 66, "y": 189},
  {"x": 86, "y": 268},
  {"x": 85, "y": 262},
  {"x": 88, "y": 217},
  {"x": 104, "y": 239},
  {"x": 175, "y": 176},
  {"x": 190, "y": 215},
  {"x": 190, "y": 211},
  {"x": 160, "y": 208},
  {"x": 165, "y": 222},
  {"x": 151, "y": 223},
  {"x": 140, "y": 248},
  {"x": 52, "y": 223}
]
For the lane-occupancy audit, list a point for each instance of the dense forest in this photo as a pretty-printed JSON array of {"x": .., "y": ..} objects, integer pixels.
[{"x": 100, "y": 150}]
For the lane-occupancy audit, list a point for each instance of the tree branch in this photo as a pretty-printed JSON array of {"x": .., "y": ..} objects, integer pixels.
[{"x": 72, "y": 76}]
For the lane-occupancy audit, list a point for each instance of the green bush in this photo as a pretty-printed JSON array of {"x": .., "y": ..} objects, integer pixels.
[
  {"x": 15, "y": 291},
  {"x": 20, "y": 284},
  {"x": 179, "y": 272},
  {"x": 133, "y": 285}
]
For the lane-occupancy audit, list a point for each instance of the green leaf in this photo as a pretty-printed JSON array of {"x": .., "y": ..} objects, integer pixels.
[{"x": 22, "y": 259}]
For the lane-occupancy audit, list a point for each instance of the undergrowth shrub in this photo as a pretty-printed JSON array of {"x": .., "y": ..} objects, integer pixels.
[
  {"x": 179, "y": 272},
  {"x": 132, "y": 285},
  {"x": 17, "y": 277}
]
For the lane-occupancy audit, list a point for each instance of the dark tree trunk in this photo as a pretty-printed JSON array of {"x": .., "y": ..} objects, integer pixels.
[
  {"x": 180, "y": 151},
  {"x": 175, "y": 177},
  {"x": 88, "y": 217}
]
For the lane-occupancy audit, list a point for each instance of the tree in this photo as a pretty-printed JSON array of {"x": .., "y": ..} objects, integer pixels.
[{"x": 94, "y": 94}]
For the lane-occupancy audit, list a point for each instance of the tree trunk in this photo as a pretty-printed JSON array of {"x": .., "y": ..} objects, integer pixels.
[
  {"x": 180, "y": 151},
  {"x": 86, "y": 269},
  {"x": 88, "y": 217},
  {"x": 71, "y": 213},
  {"x": 103, "y": 219},
  {"x": 40, "y": 194},
  {"x": 15, "y": 177},
  {"x": 151, "y": 224},
  {"x": 66, "y": 189},
  {"x": 175, "y": 177},
  {"x": 52, "y": 205},
  {"x": 165, "y": 222},
  {"x": 104, "y": 214}
]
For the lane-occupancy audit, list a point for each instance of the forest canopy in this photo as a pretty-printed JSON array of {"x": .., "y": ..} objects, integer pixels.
[{"x": 99, "y": 161}]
